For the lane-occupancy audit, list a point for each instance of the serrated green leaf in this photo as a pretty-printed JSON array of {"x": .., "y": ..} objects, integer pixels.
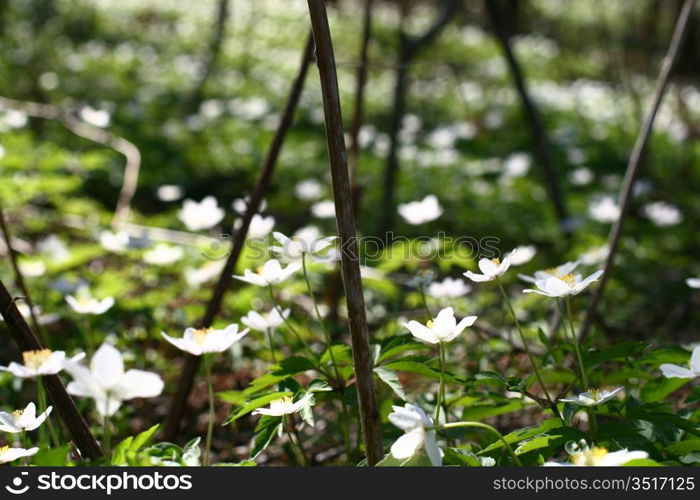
[
  {"x": 265, "y": 431},
  {"x": 390, "y": 378}
]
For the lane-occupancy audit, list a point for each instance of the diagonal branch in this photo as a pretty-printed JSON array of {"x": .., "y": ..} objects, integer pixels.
[
  {"x": 345, "y": 221},
  {"x": 19, "y": 278},
  {"x": 95, "y": 134},
  {"x": 635, "y": 160},
  {"x": 539, "y": 135},
  {"x": 184, "y": 386},
  {"x": 27, "y": 341}
]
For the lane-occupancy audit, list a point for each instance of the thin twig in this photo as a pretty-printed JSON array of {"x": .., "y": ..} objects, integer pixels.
[
  {"x": 635, "y": 160},
  {"x": 184, "y": 386},
  {"x": 345, "y": 221},
  {"x": 95, "y": 134},
  {"x": 27, "y": 341},
  {"x": 539, "y": 135},
  {"x": 19, "y": 278}
]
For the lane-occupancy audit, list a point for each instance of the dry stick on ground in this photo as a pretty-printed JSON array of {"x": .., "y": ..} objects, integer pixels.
[
  {"x": 27, "y": 341},
  {"x": 636, "y": 158},
  {"x": 19, "y": 279},
  {"x": 352, "y": 281},
  {"x": 532, "y": 116},
  {"x": 184, "y": 386},
  {"x": 211, "y": 58},
  {"x": 95, "y": 134},
  {"x": 409, "y": 48}
]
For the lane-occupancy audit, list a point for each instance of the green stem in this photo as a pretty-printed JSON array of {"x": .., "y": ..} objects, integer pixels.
[
  {"x": 326, "y": 334},
  {"x": 295, "y": 439},
  {"x": 268, "y": 333},
  {"x": 441, "y": 389},
  {"x": 493, "y": 430},
  {"x": 577, "y": 348},
  {"x": 43, "y": 405},
  {"x": 25, "y": 445},
  {"x": 425, "y": 300},
  {"x": 210, "y": 423},
  {"x": 553, "y": 406},
  {"x": 106, "y": 431},
  {"x": 288, "y": 323},
  {"x": 338, "y": 377}
]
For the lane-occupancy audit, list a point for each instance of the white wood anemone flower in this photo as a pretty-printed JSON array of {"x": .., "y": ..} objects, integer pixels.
[
  {"x": 286, "y": 406},
  {"x": 84, "y": 303},
  {"x": 448, "y": 288},
  {"x": 491, "y": 268},
  {"x": 202, "y": 215},
  {"x": 600, "y": 457},
  {"x": 554, "y": 272},
  {"x": 206, "y": 340},
  {"x": 419, "y": 212},
  {"x": 419, "y": 434},
  {"x": 269, "y": 273},
  {"x": 674, "y": 371},
  {"x": 522, "y": 255},
  {"x": 261, "y": 322},
  {"x": 303, "y": 243},
  {"x": 693, "y": 282},
  {"x": 22, "y": 420},
  {"x": 39, "y": 363},
  {"x": 106, "y": 382},
  {"x": 8, "y": 454},
  {"x": 163, "y": 255},
  {"x": 564, "y": 286},
  {"x": 444, "y": 328},
  {"x": 593, "y": 397}
]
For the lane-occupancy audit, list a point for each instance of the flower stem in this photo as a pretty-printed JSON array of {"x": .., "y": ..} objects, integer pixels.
[
  {"x": 210, "y": 423},
  {"x": 425, "y": 300},
  {"x": 493, "y": 430},
  {"x": 441, "y": 389},
  {"x": 106, "y": 431},
  {"x": 287, "y": 322},
  {"x": 577, "y": 348},
  {"x": 553, "y": 406},
  {"x": 41, "y": 400},
  {"x": 338, "y": 376},
  {"x": 295, "y": 439},
  {"x": 268, "y": 333}
]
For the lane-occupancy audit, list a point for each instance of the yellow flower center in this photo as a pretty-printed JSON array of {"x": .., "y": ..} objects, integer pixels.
[
  {"x": 17, "y": 414},
  {"x": 596, "y": 394},
  {"x": 430, "y": 323},
  {"x": 551, "y": 271},
  {"x": 594, "y": 456},
  {"x": 569, "y": 279},
  {"x": 34, "y": 359},
  {"x": 496, "y": 261},
  {"x": 200, "y": 335},
  {"x": 260, "y": 269},
  {"x": 3, "y": 449}
]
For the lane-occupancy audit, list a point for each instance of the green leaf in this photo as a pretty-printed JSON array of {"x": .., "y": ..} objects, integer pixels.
[
  {"x": 683, "y": 447},
  {"x": 127, "y": 449},
  {"x": 642, "y": 462},
  {"x": 552, "y": 375},
  {"x": 341, "y": 352},
  {"x": 420, "y": 368},
  {"x": 256, "y": 403},
  {"x": 658, "y": 389},
  {"x": 265, "y": 431},
  {"x": 420, "y": 459},
  {"x": 622, "y": 350},
  {"x": 483, "y": 411},
  {"x": 191, "y": 453},
  {"x": 390, "y": 378},
  {"x": 460, "y": 457},
  {"x": 526, "y": 433},
  {"x": 399, "y": 345},
  {"x": 552, "y": 439},
  {"x": 54, "y": 457},
  {"x": 284, "y": 369},
  {"x": 494, "y": 377}
]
